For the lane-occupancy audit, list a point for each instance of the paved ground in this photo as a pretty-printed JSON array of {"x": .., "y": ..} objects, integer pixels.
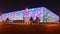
[{"x": 29, "y": 29}]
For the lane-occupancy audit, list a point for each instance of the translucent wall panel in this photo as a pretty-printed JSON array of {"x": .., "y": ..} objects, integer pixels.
[
  {"x": 42, "y": 13},
  {"x": 4, "y": 16},
  {"x": 35, "y": 13},
  {"x": 31, "y": 13},
  {"x": 16, "y": 15},
  {"x": 53, "y": 17},
  {"x": 21, "y": 15},
  {"x": 49, "y": 16}
]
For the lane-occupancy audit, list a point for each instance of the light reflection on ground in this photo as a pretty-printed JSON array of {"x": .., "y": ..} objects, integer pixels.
[
  {"x": 50, "y": 27},
  {"x": 34, "y": 28}
]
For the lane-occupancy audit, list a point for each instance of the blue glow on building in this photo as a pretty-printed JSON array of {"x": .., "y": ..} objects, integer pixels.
[{"x": 43, "y": 13}]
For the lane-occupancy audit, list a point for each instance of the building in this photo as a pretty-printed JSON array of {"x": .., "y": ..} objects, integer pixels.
[{"x": 42, "y": 13}]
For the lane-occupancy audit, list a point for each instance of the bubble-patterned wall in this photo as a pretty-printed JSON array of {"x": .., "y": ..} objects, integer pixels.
[{"x": 42, "y": 13}]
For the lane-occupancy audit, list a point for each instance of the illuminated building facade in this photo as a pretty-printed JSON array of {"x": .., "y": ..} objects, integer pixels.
[{"x": 42, "y": 13}]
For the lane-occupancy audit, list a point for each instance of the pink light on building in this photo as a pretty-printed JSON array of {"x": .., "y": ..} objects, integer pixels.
[
  {"x": 26, "y": 12},
  {"x": 38, "y": 9},
  {"x": 38, "y": 15},
  {"x": 32, "y": 15}
]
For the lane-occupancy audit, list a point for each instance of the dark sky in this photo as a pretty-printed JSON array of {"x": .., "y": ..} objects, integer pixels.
[{"x": 14, "y": 5}]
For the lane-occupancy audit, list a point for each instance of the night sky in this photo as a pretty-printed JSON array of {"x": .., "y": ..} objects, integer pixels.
[{"x": 14, "y": 5}]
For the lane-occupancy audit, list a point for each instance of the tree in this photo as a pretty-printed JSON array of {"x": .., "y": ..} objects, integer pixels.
[
  {"x": 31, "y": 19},
  {"x": 7, "y": 19},
  {"x": 23, "y": 19},
  {"x": 37, "y": 20}
]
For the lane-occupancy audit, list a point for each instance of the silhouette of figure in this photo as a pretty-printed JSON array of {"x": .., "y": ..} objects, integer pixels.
[
  {"x": 31, "y": 21},
  {"x": 37, "y": 20},
  {"x": 7, "y": 19}
]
